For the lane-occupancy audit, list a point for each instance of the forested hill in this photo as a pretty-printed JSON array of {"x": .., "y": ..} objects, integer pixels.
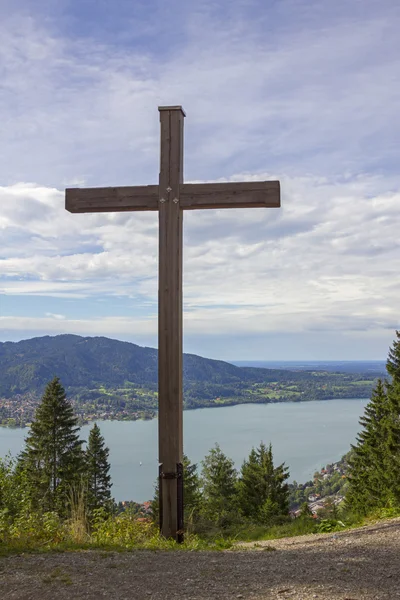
[
  {"x": 117, "y": 379},
  {"x": 88, "y": 362}
]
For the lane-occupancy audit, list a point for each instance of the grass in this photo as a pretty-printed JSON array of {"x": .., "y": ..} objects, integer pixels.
[
  {"x": 119, "y": 533},
  {"x": 123, "y": 533},
  {"x": 257, "y": 533},
  {"x": 304, "y": 526}
]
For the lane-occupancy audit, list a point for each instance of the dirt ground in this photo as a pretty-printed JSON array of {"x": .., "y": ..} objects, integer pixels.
[{"x": 354, "y": 565}]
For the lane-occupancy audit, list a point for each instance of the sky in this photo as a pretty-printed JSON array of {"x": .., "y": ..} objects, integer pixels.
[{"x": 304, "y": 91}]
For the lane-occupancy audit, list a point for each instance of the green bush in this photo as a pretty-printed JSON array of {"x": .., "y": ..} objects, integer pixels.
[
  {"x": 32, "y": 529},
  {"x": 123, "y": 530},
  {"x": 328, "y": 525}
]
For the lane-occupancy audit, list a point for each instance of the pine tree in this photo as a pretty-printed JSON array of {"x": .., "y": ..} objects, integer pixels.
[
  {"x": 218, "y": 479},
  {"x": 368, "y": 468},
  {"x": 191, "y": 489},
  {"x": 393, "y": 361},
  {"x": 53, "y": 457},
  {"x": 263, "y": 493},
  {"x": 251, "y": 486},
  {"x": 393, "y": 424},
  {"x": 374, "y": 474},
  {"x": 97, "y": 472}
]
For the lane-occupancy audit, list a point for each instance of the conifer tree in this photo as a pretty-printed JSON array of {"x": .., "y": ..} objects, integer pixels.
[
  {"x": 374, "y": 475},
  {"x": 218, "y": 479},
  {"x": 393, "y": 422},
  {"x": 393, "y": 361},
  {"x": 367, "y": 475},
  {"x": 393, "y": 368},
  {"x": 263, "y": 493},
  {"x": 191, "y": 489},
  {"x": 97, "y": 472},
  {"x": 53, "y": 458}
]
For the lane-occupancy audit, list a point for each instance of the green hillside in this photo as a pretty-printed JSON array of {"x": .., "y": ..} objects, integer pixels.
[
  {"x": 117, "y": 379},
  {"x": 28, "y": 365}
]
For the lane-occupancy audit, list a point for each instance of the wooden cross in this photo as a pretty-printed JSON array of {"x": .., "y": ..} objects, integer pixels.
[{"x": 171, "y": 197}]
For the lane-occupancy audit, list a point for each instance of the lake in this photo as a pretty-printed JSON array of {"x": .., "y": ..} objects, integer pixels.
[{"x": 305, "y": 435}]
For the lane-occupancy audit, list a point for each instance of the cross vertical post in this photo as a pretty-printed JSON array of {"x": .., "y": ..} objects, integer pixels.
[{"x": 170, "y": 426}]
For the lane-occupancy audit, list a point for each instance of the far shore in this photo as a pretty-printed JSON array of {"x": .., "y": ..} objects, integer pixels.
[{"x": 230, "y": 404}]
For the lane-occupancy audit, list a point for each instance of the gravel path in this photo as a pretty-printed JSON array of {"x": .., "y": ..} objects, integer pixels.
[{"x": 354, "y": 565}]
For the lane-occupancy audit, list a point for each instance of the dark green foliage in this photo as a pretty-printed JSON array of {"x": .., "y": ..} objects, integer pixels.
[
  {"x": 97, "y": 472},
  {"x": 393, "y": 361},
  {"x": 393, "y": 439},
  {"x": 374, "y": 480},
  {"x": 393, "y": 421},
  {"x": 191, "y": 493},
  {"x": 191, "y": 489},
  {"x": 14, "y": 489},
  {"x": 53, "y": 458},
  {"x": 218, "y": 479},
  {"x": 263, "y": 494},
  {"x": 368, "y": 463},
  {"x": 214, "y": 500}
]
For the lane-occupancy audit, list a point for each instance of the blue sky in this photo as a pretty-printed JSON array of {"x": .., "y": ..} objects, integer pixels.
[{"x": 304, "y": 91}]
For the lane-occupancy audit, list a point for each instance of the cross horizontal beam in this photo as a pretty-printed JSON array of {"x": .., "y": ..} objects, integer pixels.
[
  {"x": 263, "y": 194},
  {"x": 111, "y": 199}
]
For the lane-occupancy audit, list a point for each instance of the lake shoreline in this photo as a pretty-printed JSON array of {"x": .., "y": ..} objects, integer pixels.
[{"x": 192, "y": 408}]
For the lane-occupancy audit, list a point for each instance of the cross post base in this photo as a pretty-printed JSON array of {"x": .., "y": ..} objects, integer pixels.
[{"x": 174, "y": 478}]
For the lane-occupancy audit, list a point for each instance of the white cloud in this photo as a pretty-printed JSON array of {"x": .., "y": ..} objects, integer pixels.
[
  {"x": 329, "y": 258},
  {"x": 312, "y": 99},
  {"x": 55, "y": 316},
  {"x": 111, "y": 326},
  {"x": 320, "y": 98}
]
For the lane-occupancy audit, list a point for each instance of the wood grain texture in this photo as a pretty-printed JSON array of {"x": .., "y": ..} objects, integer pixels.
[
  {"x": 170, "y": 406},
  {"x": 192, "y": 196},
  {"x": 263, "y": 194},
  {"x": 172, "y": 108},
  {"x": 111, "y": 199}
]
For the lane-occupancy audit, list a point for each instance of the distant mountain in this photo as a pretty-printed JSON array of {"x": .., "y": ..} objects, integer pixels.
[
  {"x": 89, "y": 362},
  {"x": 112, "y": 379}
]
